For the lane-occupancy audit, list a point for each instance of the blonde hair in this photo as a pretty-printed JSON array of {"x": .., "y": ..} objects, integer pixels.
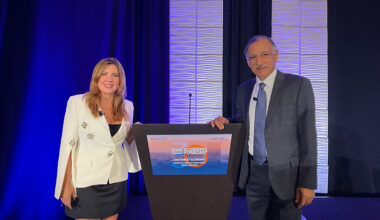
[{"x": 94, "y": 95}]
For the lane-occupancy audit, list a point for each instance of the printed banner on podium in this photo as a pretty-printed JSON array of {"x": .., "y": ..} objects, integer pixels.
[{"x": 191, "y": 154}]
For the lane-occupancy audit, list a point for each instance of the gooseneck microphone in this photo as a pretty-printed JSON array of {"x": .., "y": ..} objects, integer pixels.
[{"x": 190, "y": 105}]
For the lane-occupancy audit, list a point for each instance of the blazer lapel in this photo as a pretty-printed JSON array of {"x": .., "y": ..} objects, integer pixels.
[{"x": 275, "y": 97}]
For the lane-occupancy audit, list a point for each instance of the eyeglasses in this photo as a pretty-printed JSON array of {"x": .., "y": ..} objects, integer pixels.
[{"x": 263, "y": 55}]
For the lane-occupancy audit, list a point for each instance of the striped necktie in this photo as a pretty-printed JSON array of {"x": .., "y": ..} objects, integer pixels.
[{"x": 259, "y": 150}]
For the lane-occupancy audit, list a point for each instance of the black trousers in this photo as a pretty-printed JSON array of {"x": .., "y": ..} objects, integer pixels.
[{"x": 263, "y": 203}]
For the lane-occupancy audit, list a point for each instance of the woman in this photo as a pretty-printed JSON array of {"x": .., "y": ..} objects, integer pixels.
[{"x": 97, "y": 148}]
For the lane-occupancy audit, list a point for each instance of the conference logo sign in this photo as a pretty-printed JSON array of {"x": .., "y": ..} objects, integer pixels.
[
  {"x": 184, "y": 155},
  {"x": 189, "y": 154},
  {"x": 196, "y": 155}
]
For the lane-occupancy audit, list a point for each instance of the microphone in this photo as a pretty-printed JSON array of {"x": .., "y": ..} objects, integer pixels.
[
  {"x": 255, "y": 99},
  {"x": 190, "y": 105},
  {"x": 100, "y": 113}
]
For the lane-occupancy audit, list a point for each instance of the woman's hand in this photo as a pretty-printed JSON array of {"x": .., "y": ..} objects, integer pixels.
[
  {"x": 68, "y": 190},
  {"x": 68, "y": 194}
]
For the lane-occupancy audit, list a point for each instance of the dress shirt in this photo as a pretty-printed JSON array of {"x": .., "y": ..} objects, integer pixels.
[{"x": 269, "y": 82}]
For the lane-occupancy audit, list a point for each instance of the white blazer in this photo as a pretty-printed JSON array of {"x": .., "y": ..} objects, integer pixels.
[{"x": 96, "y": 156}]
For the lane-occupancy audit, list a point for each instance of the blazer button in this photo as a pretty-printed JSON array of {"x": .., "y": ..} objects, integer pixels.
[{"x": 109, "y": 154}]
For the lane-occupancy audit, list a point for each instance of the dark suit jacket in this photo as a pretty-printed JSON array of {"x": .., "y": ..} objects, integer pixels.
[{"x": 290, "y": 134}]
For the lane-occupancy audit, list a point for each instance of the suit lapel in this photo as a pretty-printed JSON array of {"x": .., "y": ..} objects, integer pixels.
[
  {"x": 247, "y": 101},
  {"x": 248, "y": 94},
  {"x": 275, "y": 97}
]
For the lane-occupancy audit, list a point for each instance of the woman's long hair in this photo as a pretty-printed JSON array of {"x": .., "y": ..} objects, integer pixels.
[{"x": 94, "y": 95}]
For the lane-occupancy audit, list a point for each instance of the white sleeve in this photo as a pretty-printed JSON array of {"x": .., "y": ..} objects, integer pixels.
[
  {"x": 68, "y": 142},
  {"x": 133, "y": 159}
]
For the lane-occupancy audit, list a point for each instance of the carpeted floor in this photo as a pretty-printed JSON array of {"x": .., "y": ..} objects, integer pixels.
[{"x": 323, "y": 208}]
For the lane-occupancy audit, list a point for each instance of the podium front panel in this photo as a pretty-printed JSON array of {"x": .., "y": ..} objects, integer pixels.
[{"x": 193, "y": 194}]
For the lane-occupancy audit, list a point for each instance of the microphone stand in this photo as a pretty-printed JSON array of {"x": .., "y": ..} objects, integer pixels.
[{"x": 189, "y": 106}]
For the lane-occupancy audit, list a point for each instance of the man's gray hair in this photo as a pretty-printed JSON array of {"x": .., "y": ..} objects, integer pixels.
[{"x": 257, "y": 38}]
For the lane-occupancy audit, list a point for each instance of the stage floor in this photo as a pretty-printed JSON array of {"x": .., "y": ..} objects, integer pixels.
[{"x": 323, "y": 208}]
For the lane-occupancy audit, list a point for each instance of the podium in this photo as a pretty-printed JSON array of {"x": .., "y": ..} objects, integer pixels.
[{"x": 195, "y": 191}]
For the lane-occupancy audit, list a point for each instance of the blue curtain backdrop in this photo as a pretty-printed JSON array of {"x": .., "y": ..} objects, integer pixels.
[
  {"x": 47, "y": 52},
  {"x": 354, "y": 91}
]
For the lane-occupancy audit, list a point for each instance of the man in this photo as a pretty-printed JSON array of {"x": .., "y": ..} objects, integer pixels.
[{"x": 279, "y": 159}]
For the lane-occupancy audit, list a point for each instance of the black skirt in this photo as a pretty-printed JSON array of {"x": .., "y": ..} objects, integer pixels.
[{"x": 99, "y": 201}]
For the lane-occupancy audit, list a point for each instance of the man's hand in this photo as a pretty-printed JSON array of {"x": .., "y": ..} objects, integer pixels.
[
  {"x": 218, "y": 122},
  {"x": 304, "y": 196}
]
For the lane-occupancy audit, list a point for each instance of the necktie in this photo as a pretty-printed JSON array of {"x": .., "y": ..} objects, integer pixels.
[{"x": 259, "y": 150}]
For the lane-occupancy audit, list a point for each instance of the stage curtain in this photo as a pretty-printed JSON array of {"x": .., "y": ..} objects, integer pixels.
[
  {"x": 354, "y": 106},
  {"x": 242, "y": 20},
  {"x": 48, "y": 50}
]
